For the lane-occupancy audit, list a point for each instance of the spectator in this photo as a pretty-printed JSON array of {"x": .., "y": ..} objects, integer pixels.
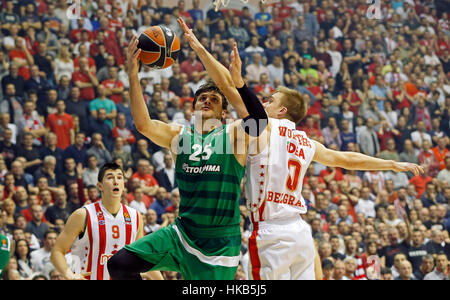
[
  {"x": 48, "y": 171},
  {"x": 63, "y": 64},
  {"x": 255, "y": 69},
  {"x": 61, "y": 123},
  {"x": 103, "y": 102},
  {"x": 36, "y": 225},
  {"x": 90, "y": 174},
  {"x": 114, "y": 87},
  {"x": 160, "y": 204},
  {"x": 405, "y": 271},
  {"x": 166, "y": 176},
  {"x": 59, "y": 210},
  {"x": 426, "y": 267},
  {"x": 389, "y": 252},
  {"x": 191, "y": 64},
  {"x": 30, "y": 153},
  {"x": 85, "y": 80},
  {"x": 22, "y": 255},
  {"x": 77, "y": 150},
  {"x": 368, "y": 139},
  {"x": 75, "y": 107},
  {"x": 441, "y": 270},
  {"x": 99, "y": 150}
]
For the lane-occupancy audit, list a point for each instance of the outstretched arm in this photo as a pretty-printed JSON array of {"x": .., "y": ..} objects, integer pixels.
[
  {"x": 158, "y": 132},
  {"x": 244, "y": 101},
  {"x": 218, "y": 72},
  {"x": 358, "y": 161}
]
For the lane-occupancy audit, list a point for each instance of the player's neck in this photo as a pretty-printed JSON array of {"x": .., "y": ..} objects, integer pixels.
[
  {"x": 206, "y": 126},
  {"x": 112, "y": 205}
]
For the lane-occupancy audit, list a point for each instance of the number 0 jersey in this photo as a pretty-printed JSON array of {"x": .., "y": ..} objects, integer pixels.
[
  {"x": 274, "y": 177},
  {"x": 104, "y": 235}
]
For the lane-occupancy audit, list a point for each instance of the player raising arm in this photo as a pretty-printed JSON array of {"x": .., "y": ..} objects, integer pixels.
[
  {"x": 204, "y": 242},
  {"x": 274, "y": 183}
]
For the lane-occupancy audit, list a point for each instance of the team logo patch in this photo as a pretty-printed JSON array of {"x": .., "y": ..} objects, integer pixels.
[
  {"x": 4, "y": 244},
  {"x": 126, "y": 217},
  {"x": 101, "y": 222}
]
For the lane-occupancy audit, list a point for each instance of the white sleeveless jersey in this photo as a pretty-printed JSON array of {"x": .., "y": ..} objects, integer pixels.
[
  {"x": 274, "y": 177},
  {"x": 104, "y": 235}
]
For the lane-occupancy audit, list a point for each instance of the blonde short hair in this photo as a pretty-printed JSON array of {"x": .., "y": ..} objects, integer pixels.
[{"x": 295, "y": 103}]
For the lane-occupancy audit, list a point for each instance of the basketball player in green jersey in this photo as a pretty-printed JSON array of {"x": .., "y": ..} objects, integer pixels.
[
  {"x": 205, "y": 241},
  {"x": 5, "y": 249}
]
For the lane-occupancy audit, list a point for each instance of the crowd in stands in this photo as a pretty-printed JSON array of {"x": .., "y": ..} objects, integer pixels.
[{"x": 377, "y": 83}]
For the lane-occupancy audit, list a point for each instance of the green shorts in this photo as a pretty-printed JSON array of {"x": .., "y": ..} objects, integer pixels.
[{"x": 170, "y": 249}]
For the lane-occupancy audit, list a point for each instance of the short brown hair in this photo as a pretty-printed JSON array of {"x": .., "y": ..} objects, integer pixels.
[
  {"x": 208, "y": 87},
  {"x": 294, "y": 102}
]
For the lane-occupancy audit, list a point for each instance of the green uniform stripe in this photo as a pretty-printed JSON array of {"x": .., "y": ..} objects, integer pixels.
[
  {"x": 232, "y": 179},
  {"x": 204, "y": 211},
  {"x": 209, "y": 194}
]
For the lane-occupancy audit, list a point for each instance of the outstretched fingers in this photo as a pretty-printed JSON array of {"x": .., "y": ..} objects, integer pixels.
[
  {"x": 183, "y": 25},
  {"x": 133, "y": 50}
]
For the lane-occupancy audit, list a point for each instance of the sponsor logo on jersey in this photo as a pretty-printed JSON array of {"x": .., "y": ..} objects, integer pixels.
[
  {"x": 284, "y": 198},
  {"x": 292, "y": 134},
  {"x": 104, "y": 258},
  {"x": 200, "y": 170}
]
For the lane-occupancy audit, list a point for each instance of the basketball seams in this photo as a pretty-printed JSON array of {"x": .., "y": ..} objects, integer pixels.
[
  {"x": 144, "y": 59},
  {"x": 156, "y": 56}
]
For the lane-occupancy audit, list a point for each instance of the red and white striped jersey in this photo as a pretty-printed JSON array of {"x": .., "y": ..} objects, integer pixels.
[
  {"x": 104, "y": 235},
  {"x": 274, "y": 177}
]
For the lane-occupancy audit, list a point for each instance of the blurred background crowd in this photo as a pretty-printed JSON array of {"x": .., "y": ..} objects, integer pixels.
[{"x": 376, "y": 75}]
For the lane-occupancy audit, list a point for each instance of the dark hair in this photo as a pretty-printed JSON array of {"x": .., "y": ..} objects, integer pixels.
[
  {"x": 208, "y": 87},
  {"x": 108, "y": 166}
]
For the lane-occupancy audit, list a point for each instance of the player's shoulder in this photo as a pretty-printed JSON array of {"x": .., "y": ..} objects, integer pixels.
[{"x": 80, "y": 213}]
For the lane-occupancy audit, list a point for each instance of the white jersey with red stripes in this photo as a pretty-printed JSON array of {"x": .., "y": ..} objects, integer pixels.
[
  {"x": 274, "y": 177},
  {"x": 104, "y": 235}
]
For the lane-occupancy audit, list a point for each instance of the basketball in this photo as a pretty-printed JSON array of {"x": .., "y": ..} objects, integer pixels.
[{"x": 159, "y": 46}]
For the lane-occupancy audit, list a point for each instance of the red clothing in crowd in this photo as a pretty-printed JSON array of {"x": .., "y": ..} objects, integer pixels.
[
  {"x": 61, "y": 126},
  {"x": 420, "y": 183},
  {"x": 440, "y": 156},
  {"x": 85, "y": 93},
  {"x": 23, "y": 71},
  {"x": 110, "y": 84},
  {"x": 124, "y": 133}
]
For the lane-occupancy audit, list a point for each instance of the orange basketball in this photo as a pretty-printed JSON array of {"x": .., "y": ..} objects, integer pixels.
[{"x": 160, "y": 47}]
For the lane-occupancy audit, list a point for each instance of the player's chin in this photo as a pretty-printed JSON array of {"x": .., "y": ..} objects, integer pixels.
[{"x": 117, "y": 192}]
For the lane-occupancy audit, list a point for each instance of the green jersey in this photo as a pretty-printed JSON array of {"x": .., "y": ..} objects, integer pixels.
[
  {"x": 5, "y": 248},
  {"x": 209, "y": 178},
  {"x": 205, "y": 241}
]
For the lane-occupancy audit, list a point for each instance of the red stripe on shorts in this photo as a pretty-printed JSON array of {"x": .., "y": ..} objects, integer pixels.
[{"x": 253, "y": 252}]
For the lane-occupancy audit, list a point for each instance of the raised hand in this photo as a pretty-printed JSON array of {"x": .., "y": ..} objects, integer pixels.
[
  {"x": 236, "y": 67},
  {"x": 192, "y": 39},
  {"x": 133, "y": 57}
]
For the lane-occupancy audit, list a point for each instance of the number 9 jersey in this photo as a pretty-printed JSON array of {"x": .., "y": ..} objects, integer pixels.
[
  {"x": 104, "y": 235},
  {"x": 275, "y": 176}
]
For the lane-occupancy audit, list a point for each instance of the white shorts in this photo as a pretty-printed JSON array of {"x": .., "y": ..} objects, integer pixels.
[{"x": 281, "y": 249}]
